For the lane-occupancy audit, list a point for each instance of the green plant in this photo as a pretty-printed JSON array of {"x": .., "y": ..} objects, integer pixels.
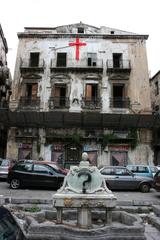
[
  {"x": 75, "y": 137},
  {"x": 32, "y": 209},
  {"x": 108, "y": 138},
  {"x": 133, "y": 134}
]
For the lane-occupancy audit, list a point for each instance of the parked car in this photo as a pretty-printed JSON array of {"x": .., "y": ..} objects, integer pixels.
[
  {"x": 143, "y": 170},
  {"x": 9, "y": 229},
  {"x": 34, "y": 174},
  {"x": 120, "y": 178},
  {"x": 156, "y": 181},
  {"x": 5, "y": 164}
]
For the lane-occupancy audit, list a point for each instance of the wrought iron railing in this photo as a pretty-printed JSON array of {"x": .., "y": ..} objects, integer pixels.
[
  {"x": 58, "y": 102},
  {"x": 26, "y": 63},
  {"x": 119, "y": 102},
  {"x": 91, "y": 103},
  {"x": 81, "y": 63},
  {"x": 29, "y": 102},
  {"x": 121, "y": 64}
]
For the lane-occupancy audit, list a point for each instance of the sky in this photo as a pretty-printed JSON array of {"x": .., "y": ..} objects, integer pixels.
[{"x": 138, "y": 16}]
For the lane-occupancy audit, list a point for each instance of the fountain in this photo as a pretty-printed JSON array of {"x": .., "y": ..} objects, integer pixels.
[
  {"x": 84, "y": 208},
  {"x": 84, "y": 189}
]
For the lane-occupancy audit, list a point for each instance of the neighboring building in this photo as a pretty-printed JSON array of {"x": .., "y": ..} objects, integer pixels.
[
  {"x": 5, "y": 89},
  {"x": 81, "y": 88},
  {"x": 155, "y": 100}
]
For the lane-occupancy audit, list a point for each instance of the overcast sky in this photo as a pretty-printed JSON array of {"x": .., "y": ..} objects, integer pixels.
[{"x": 139, "y": 16}]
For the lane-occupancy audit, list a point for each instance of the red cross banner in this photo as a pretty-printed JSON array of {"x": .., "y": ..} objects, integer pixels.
[{"x": 77, "y": 44}]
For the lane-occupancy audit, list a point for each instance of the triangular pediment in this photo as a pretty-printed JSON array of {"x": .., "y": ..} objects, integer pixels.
[
  {"x": 60, "y": 76},
  {"x": 31, "y": 76}
]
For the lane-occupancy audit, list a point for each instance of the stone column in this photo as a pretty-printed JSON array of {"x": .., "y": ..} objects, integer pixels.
[
  {"x": 84, "y": 217},
  {"x": 59, "y": 215},
  {"x": 108, "y": 219}
]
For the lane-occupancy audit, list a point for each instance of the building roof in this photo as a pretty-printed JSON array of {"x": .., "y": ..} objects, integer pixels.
[{"x": 71, "y": 29}]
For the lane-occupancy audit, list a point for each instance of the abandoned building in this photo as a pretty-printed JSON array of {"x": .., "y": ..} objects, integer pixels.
[
  {"x": 155, "y": 101},
  {"x": 81, "y": 88},
  {"x": 5, "y": 88}
]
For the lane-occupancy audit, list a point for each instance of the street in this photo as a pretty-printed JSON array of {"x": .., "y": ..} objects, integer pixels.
[{"x": 5, "y": 191}]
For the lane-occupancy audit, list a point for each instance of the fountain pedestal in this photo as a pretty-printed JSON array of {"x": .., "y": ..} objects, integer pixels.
[{"x": 84, "y": 189}]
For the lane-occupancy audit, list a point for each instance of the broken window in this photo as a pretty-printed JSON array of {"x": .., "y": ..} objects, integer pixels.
[
  {"x": 34, "y": 59},
  {"x": 156, "y": 88},
  {"x": 118, "y": 96},
  {"x": 92, "y": 59},
  {"x": 80, "y": 30},
  {"x": 59, "y": 95},
  {"x": 117, "y": 60},
  {"x": 61, "y": 59}
]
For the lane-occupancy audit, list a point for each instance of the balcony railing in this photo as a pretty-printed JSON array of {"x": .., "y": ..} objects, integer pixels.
[
  {"x": 91, "y": 104},
  {"x": 29, "y": 102},
  {"x": 58, "y": 102},
  {"x": 74, "y": 64},
  {"x": 119, "y": 102},
  {"x": 25, "y": 64},
  {"x": 122, "y": 65}
]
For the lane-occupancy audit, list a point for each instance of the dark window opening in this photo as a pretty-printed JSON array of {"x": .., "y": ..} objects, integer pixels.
[
  {"x": 92, "y": 59},
  {"x": 31, "y": 91},
  {"x": 117, "y": 60},
  {"x": 156, "y": 88},
  {"x": 34, "y": 59},
  {"x": 80, "y": 30},
  {"x": 61, "y": 59},
  {"x": 112, "y": 32},
  {"x": 118, "y": 93}
]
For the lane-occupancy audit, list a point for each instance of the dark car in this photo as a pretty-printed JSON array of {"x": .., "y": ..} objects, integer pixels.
[
  {"x": 34, "y": 174},
  {"x": 9, "y": 229},
  {"x": 156, "y": 181},
  {"x": 120, "y": 178},
  {"x": 5, "y": 165}
]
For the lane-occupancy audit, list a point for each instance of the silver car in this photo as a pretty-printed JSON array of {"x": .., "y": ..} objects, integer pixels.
[
  {"x": 120, "y": 178},
  {"x": 5, "y": 164}
]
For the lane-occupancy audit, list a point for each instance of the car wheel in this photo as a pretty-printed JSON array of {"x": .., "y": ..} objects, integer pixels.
[
  {"x": 15, "y": 183},
  {"x": 144, "y": 187}
]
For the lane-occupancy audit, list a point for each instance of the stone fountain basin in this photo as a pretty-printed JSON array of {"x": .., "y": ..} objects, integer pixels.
[{"x": 43, "y": 226}]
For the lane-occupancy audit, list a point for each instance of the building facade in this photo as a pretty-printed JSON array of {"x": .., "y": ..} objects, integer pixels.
[
  {"x": 155, "y": 101},
  {"x": 5, "y": 89},
  {"x": 81, "y": 88}
]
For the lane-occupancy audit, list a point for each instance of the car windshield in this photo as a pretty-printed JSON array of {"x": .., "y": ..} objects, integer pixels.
[{"x": 4, "y": 163}]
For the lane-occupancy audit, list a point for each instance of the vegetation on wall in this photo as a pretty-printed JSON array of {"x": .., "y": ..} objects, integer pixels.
[
  {"x": 108, "y": 138},
  {"x": 133, "y": 135}
]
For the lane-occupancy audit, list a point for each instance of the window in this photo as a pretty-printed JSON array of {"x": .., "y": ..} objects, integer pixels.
[
  {"x": 117, "y": 60},
  {"x": 80, "y": 30},
  {"x": 91, "y": 92},
  {"x": 41, "y": 169},
  {"x": 61, "y": 59},
  {"x": 31, "y": 91},
  {"x": 118, "y": 93},
  {"x": 156, "y": 88},
  {"x": 34, "y": 59},
  {"x": 142, "y": 169},
  {"x": 107, "y": 171},
  {"x": 92, "y": 59},
  {"x": 59, "y": 95}
]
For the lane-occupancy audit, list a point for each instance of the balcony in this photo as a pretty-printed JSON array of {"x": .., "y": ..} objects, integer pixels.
[
  {"x": 119, "y": 102},
  {"x": 4, "y": 75},
  {"x": 91, "y": 104},
  {"x": 58, "y": 103},
  {"x": 26, "y": 66},
  {"x": 78, "y": 66},
  {"x": 123, "y": 66},
  {"x": 29, "y": 103}
]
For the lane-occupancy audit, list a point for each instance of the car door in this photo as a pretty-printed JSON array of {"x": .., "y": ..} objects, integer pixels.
[
  {"x": 44, "y": 176},
  {"x": 124, "y": 179}
]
